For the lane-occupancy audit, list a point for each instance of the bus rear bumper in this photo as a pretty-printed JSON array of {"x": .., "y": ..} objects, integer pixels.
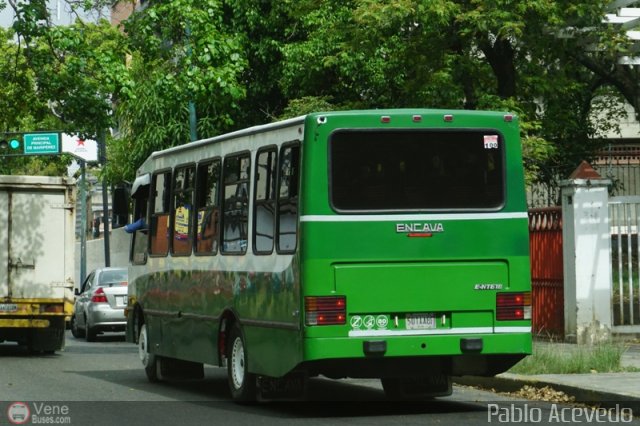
[{"x": 456, "y": 355}]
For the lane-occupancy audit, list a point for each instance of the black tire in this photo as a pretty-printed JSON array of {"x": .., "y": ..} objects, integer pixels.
[
  {"x": 90, "y": 333},
  {"x": 149, "y": 360},
  {"x": 47, "y": 340},
  {"x": 75, "y": 331},
  {"x": 242, "y": 384}
]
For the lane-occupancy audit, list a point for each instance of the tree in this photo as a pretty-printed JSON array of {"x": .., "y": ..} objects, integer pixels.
[
  {"x": 181, "y": 51},
  {"x": 74, "y": 74},
  {"x": 498, "y": 54}
]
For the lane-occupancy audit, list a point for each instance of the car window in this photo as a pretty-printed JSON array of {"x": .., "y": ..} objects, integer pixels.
[
  {"x": 87, "y": 283},
  {"x": 113, "y": 276}
]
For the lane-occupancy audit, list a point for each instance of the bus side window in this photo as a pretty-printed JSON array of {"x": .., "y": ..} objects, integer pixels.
[
  {"x": 160, "y": 213},
  {"x": 236, "y": 172},
  {"x": 288, "y": 198},
  {"x": 265, "y": 200},
  {"x": 183, "y": 183},
  {"x": 208, "y": 207},
  {"x": 140, "y": 236}
]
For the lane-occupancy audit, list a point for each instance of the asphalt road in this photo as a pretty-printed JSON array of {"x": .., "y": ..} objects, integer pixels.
[{"x": 102, "y": 383}]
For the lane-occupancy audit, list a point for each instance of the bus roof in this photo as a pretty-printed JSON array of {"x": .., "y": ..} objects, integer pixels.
[
  {"x": 144, "y": 168},
  {"x": 220, "y": 138}
]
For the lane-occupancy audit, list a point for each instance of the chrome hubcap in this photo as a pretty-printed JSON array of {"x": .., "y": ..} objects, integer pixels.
[
  {"x": 237, "y": 363},
  {"x": 143, "y": 354}
]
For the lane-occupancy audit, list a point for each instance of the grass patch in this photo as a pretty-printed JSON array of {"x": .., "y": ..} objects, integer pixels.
[{"x": 558, "y": 358}]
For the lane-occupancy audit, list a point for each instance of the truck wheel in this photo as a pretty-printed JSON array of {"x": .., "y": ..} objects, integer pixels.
[
  {"x": 149, "y": 360},
  {"x": 47, "y": 340},
  {"x": 242, "y": 384},
  {"x": 75, "y": 331}
]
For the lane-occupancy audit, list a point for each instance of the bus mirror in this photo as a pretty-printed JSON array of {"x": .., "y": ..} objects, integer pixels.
[{"x": 120, "y": 204}]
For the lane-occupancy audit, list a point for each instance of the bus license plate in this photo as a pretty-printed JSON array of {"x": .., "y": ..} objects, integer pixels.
[{"x": 421, "y": 321}]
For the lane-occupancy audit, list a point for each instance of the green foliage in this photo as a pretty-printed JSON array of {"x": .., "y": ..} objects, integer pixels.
[
  {"x": 306, "y": 105},
  {"x": 481, "y": 54},
  {"x": 182, "y": 51},
  {"x": 244, "y": 62}
]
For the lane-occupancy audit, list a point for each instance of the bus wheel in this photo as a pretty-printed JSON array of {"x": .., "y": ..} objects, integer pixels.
[
  {"x": 241, "y": 383},
  {"x": 404, "y": 389},
  {"x": 149, "y": 360}
]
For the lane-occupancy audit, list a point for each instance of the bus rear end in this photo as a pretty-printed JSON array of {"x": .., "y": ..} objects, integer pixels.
[{"x": 415, "y": 255}]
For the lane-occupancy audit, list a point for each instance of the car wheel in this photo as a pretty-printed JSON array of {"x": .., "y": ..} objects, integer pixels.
[
  {"x": 75, "y": 331},
  {"x": 90, "y": 332},
  {"x": 149, "y": 360},
  {"x": 242, "y": 384}
]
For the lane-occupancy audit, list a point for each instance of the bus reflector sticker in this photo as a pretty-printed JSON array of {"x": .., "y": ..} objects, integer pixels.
[{"x": 325, "y": 310}]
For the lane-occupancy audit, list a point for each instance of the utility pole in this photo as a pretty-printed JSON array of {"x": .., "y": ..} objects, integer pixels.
[
  {"x": 83, "y": 222},
  {"x": 102, "y": 145},
  {"x": 193, "y": 123}
]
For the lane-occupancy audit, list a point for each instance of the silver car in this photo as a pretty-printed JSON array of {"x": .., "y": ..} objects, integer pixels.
[{"x": 100, "y": 303}]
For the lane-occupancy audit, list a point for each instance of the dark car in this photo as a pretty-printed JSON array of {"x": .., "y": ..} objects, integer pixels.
[{"x": 100, "y": 303}]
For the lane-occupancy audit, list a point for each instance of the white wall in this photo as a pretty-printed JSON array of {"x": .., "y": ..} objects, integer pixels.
[
  {"x": 587, "y": 266},
  {"x": 119, "y": 248}
]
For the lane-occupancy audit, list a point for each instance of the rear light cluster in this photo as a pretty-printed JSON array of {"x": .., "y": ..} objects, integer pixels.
[
  {"x": 325, "y": 310},
  {"x": 99, "y": 296},
  {"x": 513, "y": 306}
]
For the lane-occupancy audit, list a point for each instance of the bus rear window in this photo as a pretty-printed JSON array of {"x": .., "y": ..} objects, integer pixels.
[{"x": 416, "y": 170}]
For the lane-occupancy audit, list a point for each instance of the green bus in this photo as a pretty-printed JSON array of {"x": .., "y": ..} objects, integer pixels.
[{"x": 387, "y": 244}]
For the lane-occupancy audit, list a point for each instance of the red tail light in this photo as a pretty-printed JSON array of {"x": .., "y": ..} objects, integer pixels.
[
  {"x": 99, "y": 296},
  {"x": 513, "y": 306},
  {"x": 325, "y": 310}
]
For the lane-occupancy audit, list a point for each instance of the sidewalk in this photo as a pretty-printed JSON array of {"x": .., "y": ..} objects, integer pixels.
[{"x": 602, "y": 389}]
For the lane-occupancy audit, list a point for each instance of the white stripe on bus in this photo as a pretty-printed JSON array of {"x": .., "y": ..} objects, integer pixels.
[
  {"x": 465, "y": 330},
  {"x": 512, "y": 329},
  {"x": 412, "y": 217}
]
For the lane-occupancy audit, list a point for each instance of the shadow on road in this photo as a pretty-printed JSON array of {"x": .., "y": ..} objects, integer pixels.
[{"x": 326, "y": 398}]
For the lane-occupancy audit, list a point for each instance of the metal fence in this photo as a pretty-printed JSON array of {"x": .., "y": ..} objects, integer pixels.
[
  {"x": 547, "y": 280},
  {"x": 624, "y": 219},
  {"x": 619, "y": 163}
]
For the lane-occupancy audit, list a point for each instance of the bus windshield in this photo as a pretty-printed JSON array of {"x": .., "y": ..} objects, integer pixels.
[{"x": 395, "y": 170}]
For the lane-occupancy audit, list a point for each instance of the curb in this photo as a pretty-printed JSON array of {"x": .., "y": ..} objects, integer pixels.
[{"x": 513, "y": 383}]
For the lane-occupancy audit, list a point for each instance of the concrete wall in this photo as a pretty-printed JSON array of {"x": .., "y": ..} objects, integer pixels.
[{"x": 119, "y": 245}]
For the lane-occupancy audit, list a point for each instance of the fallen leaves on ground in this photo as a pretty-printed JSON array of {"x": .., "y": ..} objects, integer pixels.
[{"x": 546, "y": 393}]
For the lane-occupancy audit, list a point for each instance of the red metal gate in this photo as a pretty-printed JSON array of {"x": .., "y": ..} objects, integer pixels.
[{"x": 547, "y": 280}]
